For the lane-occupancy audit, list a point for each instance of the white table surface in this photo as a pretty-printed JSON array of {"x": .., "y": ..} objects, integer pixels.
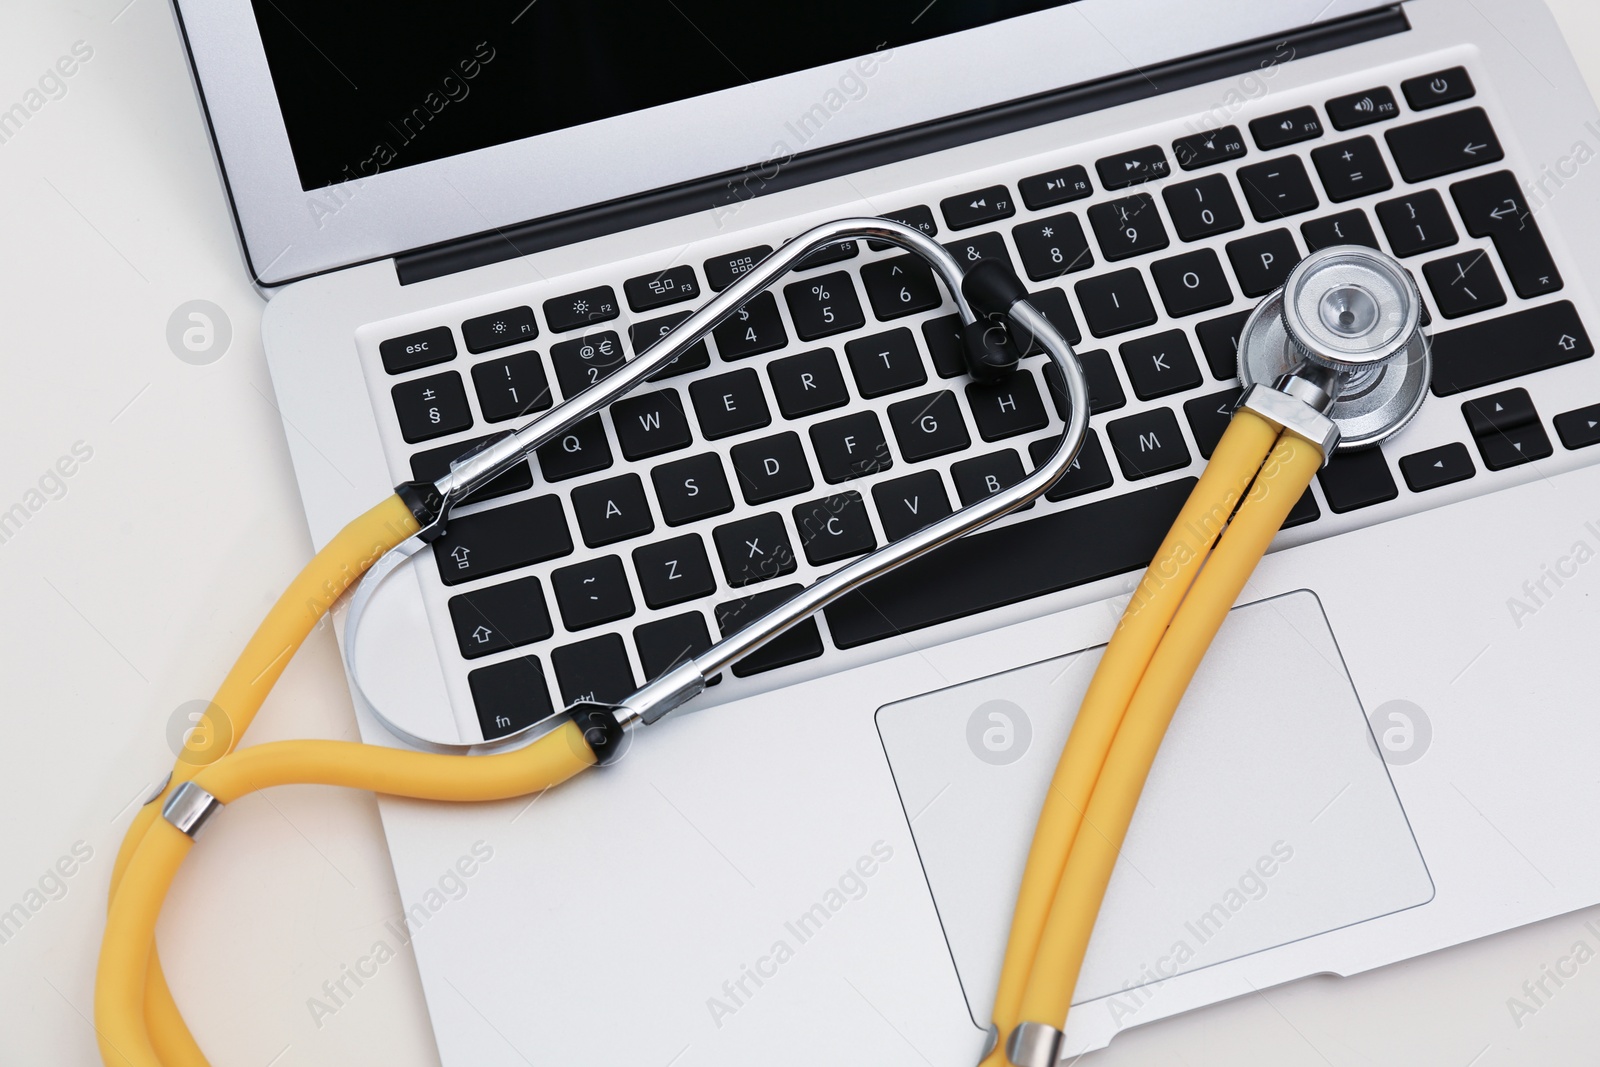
[{"x": 129, "y": 591}]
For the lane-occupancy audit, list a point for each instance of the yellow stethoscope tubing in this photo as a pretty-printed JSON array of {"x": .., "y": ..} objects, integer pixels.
[
  {"x": 139, "y": 1025},
  {"x": 1283, "y": 479}
]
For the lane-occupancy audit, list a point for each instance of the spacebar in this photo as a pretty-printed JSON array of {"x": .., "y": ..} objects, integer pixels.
[{"x": 992, "y": 568}]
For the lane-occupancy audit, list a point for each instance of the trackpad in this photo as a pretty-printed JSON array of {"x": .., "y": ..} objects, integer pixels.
[{"x": 1268, "y": 817}]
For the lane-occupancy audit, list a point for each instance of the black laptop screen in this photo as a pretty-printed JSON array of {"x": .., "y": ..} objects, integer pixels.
[{"x": 366, "y": 88}]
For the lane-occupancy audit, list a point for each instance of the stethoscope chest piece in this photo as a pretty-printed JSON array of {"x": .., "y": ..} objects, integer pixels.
[{"x": 1349, "y": 319}]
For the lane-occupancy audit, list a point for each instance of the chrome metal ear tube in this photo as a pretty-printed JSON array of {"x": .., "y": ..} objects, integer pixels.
[
  {"x": 495, "y": 458},
  {"x": 682, "y": 683}
]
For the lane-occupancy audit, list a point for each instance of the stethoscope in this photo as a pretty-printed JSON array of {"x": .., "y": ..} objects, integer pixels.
[{"x": 1334, "y": 360}]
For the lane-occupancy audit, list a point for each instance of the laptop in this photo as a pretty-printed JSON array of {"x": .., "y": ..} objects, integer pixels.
[{"x": 462, "y": 217}]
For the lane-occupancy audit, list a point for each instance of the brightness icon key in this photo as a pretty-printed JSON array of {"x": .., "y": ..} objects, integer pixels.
[{"x": 488, "y": 332}]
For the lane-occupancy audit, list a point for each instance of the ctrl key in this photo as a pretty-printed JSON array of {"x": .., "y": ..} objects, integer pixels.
[{"x": 510, "y": 696}]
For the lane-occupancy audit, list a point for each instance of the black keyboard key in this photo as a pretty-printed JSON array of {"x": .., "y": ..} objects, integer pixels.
[
  {"x": 885, "y": 363},
  {"x": 1499, "y": 411},
  {"x": 1115, "y": 303},
  {"x": 1444, "y": 145},
  {"x": 1351, "y": 169},
  {"x": 1191, "y": 283},
  {"x": 650, "y": 291},
  {"x": 1133, "y": 168},
  {"x": 1417, "y": 223},
  {"x": 1052, "y": 247},
  {"x": 969, "y": 250},
  {"x": 978, "y": 207},
  {"x": 1436, "y": 467},
  {"x": 1204, "y": 207},
  {"x": 1089, "y": 472},
  {"x": 799, "y": 643},
  {"x": 594, "y": 670},
  {"x": 1509, "y": 346},
  {"x": 1209, "y": 147},
  {"x": 1515, "y": 446},
  {"x": 415, "y": 350},
  {"x": 511, "y": 386},
  {"x": 1209, "y": 417},
  {"x": 1006, "y": 564},
  {"x": 837, "y": 252},
  {"x": 723, "y": 271},
  {"x": 645, "y": 335},
  {"x": 1346, "y": 228},
  {"x": 1007, "y": 408},
  {"x": 1286, "y": 128},
  {"x": 1105, "y": 388},
  {"x": 755, "y": 328},
  {"x": 666, "y": 643},
  {"x": 823, "y": 305},
  {"x": 1494, "y": 206},
  {"x": 488, "y": 332},
  {"x": 852, "y": 446},
  {"x": 585, "y": 361},
  {"x": 499, "y": 617},
  {"x": 1262, "y": 262},
  {"x": 576, "y": 310},
  {"x": 503, "y": 539},
  {"x": 1219, "y": 340},
  {"x": 1353, "y": 480},
  {"x": 1053, "y": 305},
  {"x": 1161, "y": 364},
  {"x": 612, "y": 510},
  {"x": 1278, "y": 188},
  {"x": 906, "y": 505},
  {"x": 1360, "y": 109},
  {"x": 434, "y": 464},
  {"x": 834, "y": 528},
  {"x": 1437, "y": 89},
  {"x": 1148, "y": 443},
  {"x": 1128, "y": 227},
  {"x": 1055, "y": 187},
  {"x": 1581, "y": 428},
  {"x": 753, "y": 550},
  {"x": 919, "y": 217},
  {"x": 692, "y": 488},
  {"x": 581, "y": 450},
  {"x": 649, "y": 424},
  {"x": 981, "y": 477},
  {"x": 1464, "y": 283},
  {"x": 510, "y": 696},
  {"x": 771, "y": 468},
  {"x": 900, "y": 286},
  {"x": 807, "y": 383},
  {"x": 928, "y": 426},
  {"x": 673, "y": 571},
  {"x": 730, "y": 404},
  {"x": 945, "y": 346},
  {"x": 592, "y": 592},
  {"x": 431, "y": 407},
  {"x": 1305, "y": 510}
]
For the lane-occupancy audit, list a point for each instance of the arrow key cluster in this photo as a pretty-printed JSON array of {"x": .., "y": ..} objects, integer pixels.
[{"x": 1507, "y": 429}]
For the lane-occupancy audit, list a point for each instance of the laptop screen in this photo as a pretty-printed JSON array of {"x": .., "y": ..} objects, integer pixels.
[{"x": 367, "y": 89}]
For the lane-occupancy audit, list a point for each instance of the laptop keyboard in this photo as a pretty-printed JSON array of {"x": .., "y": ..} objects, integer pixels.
[{"x": 709, "y": 496}]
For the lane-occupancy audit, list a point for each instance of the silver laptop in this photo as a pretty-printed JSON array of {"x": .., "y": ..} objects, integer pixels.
[{"x": 464, "y": 216}]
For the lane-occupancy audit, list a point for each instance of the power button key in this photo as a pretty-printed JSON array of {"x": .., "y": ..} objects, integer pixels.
[{"x": 1437, "y": 89}]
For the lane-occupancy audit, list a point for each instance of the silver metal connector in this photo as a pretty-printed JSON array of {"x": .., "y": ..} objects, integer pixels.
[
  {"x": 1034, "y": 1045},
  {"x": 189, "y": 807}
]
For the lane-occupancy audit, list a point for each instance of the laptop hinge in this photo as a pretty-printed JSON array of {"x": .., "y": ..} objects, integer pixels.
[{"x": 724, "y": 190}]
